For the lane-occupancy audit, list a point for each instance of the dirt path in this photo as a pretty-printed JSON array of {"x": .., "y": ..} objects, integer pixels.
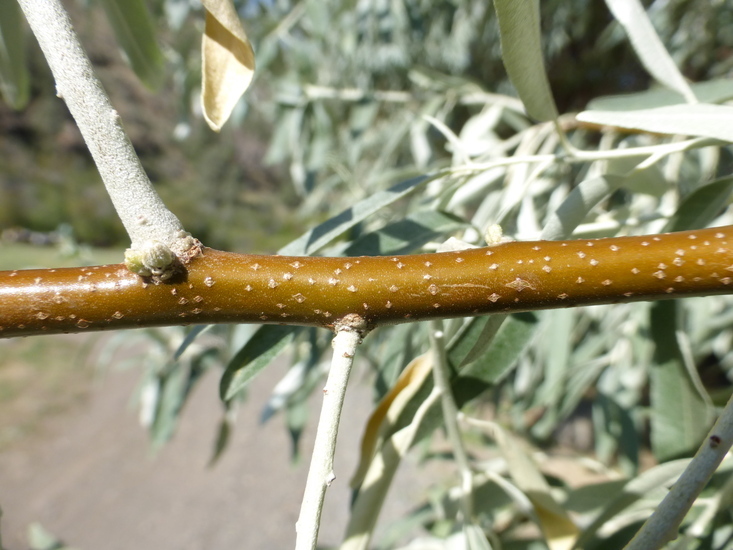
[{"x": 88, "y": 476}]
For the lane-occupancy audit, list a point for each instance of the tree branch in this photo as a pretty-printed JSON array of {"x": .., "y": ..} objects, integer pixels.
[
  {"x": 320, "y": 475},
  {"x": 221, "y": 287},
  {"x": 662, "y": 526},
  {"x": 141, "y": 210}
]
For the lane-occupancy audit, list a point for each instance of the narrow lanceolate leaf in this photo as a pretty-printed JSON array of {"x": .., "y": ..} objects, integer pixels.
[
  {"x": 521, "y": 51},
  {"x": 320, "y": 236},
  {"x": 228, "y": 62},
  {"x": 221, "y": 287},
  {"x": 381, "y": 422},
  {"x": 257, "y": 353},
  {"x": 559, "y": 530},
  {"x": 680, "y": 415},
  {"x": 578, "y": 203},
  {"x": 647, "y": 45},
  {"x": 702, "y": 205},
  {"x": 703, "y": 120},
  {"x": 712, "y": 91},
  {"x": 14, "y": 81},
  {"x": 133, "y": 26}
]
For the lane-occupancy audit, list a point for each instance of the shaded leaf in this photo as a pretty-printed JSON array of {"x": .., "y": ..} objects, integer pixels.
[
  {"x": 555, "y": 345},
  {"x": 704, "y": 120},
  {"x": 559, "y": 530},
  {"x": 136, "y": 34},
  {"x": 473, "y": 339},
  {"x": 223, "y": 435},
  {"x": 647, "y": 45},
  {"x": 497, "y": 360},
  {"x": 521, "y": 51},
  {"x": 406, "y": 235},
  {"x": 188, "y": 340},
  {"x": 14, "y": 80},
  {"x": 702, "y": 206},
  {"x": 296, "y": 416},
  {"x": 228, "y": 62},
  {"x": 259, "y": 351},
  {"x": 680, "y": 416},
  {"x": 175, "y": 383},
  {"x": 321, "y": 235}
]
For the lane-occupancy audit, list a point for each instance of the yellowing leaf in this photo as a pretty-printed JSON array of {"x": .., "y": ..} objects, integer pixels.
[
  {"x": 559, "y": 530},
  {"x": 388, "y": 409},
  {"x": 228, "y": 62}
]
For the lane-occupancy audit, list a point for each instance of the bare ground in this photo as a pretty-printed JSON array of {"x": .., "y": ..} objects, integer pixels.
[{"x": 87, "y": 475}]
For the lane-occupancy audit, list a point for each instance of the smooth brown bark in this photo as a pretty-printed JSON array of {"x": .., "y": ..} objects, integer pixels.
[{"x": 221, "y": 287}]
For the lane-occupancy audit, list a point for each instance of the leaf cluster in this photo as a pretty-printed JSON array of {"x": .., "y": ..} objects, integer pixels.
[{"x": 365, "y": 94}]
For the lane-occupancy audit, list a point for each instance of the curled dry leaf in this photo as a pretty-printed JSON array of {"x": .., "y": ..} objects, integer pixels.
[
  {"x": 388, "y": 410},
  {"x": 228, "y": 62}
]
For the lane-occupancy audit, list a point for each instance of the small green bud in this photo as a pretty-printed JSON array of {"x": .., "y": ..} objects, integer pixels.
[{"x": 151, "y": 259}]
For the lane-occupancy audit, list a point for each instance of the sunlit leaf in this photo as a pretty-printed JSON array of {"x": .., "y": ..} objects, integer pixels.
[
  {"x": 712, "y": 91},
  {"x": 228, "y": 62},
  {"x": 475, "y": 537},
  {"x": 578, "y": 203},
  {"x": 388, "y": 409},
  {"x": 14, "y": 81},
  {"x": 647, "y": 45},
  {"x": 136, "y": 34},
  {"x": 519, "y": 28},
  {"x": 257, "y": 353},
  {"x": 618, "y": 498},
  {"x": 39, "y": 538},
  {"x": 378, "y": 477},
  {"x": 704, "y": 120}
]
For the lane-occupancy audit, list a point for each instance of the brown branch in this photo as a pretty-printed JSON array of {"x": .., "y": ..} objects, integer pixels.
[{"x": 221, "y": 287}]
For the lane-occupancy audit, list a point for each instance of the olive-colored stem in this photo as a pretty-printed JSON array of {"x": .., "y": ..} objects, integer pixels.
[{"x": 221, "y": 287}]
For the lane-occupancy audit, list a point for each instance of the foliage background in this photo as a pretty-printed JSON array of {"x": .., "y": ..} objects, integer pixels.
[{"x": 353, "y": 97}]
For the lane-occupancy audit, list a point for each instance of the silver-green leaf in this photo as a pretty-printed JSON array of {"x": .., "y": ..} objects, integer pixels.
[
  {"x": 521, "y": 51},
  {"x": 702, "y": 120}
]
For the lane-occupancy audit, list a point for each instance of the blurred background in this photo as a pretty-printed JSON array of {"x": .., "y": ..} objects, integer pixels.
[{"x": 337, "y": 112}]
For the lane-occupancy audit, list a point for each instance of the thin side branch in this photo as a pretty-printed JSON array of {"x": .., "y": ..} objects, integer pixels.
[
  {"x": 663, "y": 525},
  {"x": 441, "y": 376},
  {"x": 141, "y": 210},
  {"x": 320, "y": 475}
]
